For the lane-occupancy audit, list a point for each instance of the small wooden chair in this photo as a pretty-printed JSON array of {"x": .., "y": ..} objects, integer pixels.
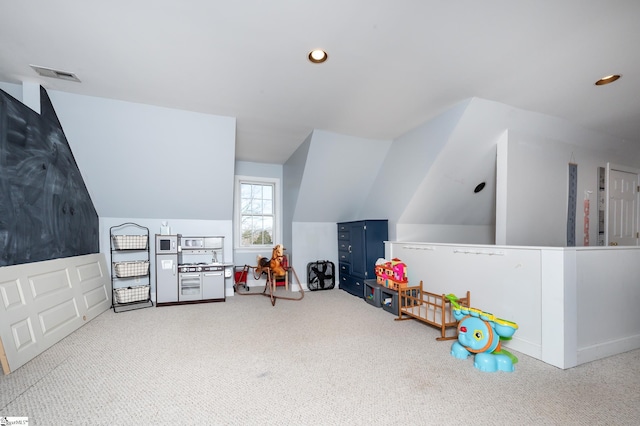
[{"x": 240, "y": 274}]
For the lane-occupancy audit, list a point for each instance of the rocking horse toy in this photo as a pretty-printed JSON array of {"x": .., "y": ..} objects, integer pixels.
[
  {"x": 275, "y": 264},
  {"x": 276, "y": 269}
]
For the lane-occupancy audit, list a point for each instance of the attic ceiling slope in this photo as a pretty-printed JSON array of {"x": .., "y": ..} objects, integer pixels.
[
  {"x": 338, "y": 174},
  {"x": 406, "y": 164},
  {"x": 248, "y": 60},
  {"x": 292, "y": 177},
  {"x": 467, "y": 159},
  {"x": 128, "y": 154}
]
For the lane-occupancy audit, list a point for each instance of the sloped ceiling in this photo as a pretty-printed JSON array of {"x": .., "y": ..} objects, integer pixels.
[
  {"x": 408, "y": 161},
  {"x": 446, "y": 194},
  {"x": 392, "y": 64},
  {"x": 427, "y": 176},
  {"x": 339, "y": 172}
]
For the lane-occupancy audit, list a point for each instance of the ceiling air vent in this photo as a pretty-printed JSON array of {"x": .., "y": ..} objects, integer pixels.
[{"x": 50, "y": 72}]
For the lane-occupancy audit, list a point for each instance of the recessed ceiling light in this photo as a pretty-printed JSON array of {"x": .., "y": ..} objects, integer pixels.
[
  {"x": 53, "y": 73},
  {"x": 318, "y": 56},
  {"x": 608, "y": 79}
]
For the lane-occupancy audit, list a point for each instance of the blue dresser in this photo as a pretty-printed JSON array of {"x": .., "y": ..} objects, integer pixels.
[{"x": 360, "y": 244}]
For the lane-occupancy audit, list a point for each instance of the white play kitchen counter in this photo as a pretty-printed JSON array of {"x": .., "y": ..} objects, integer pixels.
[{"x": 189, "y": 269}]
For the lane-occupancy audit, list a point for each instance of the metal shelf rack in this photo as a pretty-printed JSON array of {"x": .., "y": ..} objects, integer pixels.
[{"x": 130, "y": 259}]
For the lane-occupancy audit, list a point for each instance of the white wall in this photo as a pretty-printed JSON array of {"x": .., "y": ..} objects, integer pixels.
[
  {"x": 608, "y": 297},
  {"x": 408, "y": 160},
  {"x": 504, "y": 282},
  {"x": 572, "y": 305},
  {"x": 14, "y": 90},
  {"x": 145, "y": 161},
  {"x": 445, "y": 194},
  {"x": 248, "y": 168},
  {"x": 313, "y": 241},
  {"x": 534, "y": 178},
  {"x": 471, "y": 234},
  {"x": 293, "y": 172},
  {"x": 131, "y": 155},
  {"x": 339, "y": 172},
  {"x": 147, "y": 164},
  {"x": 537, "y": 179},
  {"x": 422, "y": 181},
  {"x": 326, "y": 180}
]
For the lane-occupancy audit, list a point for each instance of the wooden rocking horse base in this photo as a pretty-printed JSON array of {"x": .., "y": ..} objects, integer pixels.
[{"x": 271, "y": 284}]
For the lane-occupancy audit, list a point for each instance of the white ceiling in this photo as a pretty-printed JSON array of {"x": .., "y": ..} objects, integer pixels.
[{"x": 393, "y": 64}]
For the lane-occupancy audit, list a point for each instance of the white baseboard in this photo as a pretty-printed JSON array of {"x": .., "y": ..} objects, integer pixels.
[{"x": 606, "y": 349}]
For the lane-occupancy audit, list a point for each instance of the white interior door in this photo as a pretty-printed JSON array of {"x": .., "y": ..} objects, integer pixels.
[
  {"x": 622, "y": 206},
  {"x": 43, "y": 302}
]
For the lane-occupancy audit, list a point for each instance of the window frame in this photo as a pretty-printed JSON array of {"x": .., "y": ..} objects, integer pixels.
[{"x": 277, "y": 216}]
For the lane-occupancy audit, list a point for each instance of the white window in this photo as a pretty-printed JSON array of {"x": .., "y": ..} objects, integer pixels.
[{"x": 256, "y": 212}]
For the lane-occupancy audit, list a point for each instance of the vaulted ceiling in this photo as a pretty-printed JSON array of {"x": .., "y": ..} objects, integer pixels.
[{"x": 392, "y": 64}]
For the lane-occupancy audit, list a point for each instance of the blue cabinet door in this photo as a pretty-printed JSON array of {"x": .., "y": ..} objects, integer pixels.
[{"x": 360, "y": 244}]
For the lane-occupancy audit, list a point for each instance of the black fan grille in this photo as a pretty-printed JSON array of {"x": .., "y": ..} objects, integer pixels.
[{"x": 321, "y": 275}]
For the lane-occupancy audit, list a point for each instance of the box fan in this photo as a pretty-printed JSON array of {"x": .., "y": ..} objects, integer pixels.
[{"x": 321, "y": 275}]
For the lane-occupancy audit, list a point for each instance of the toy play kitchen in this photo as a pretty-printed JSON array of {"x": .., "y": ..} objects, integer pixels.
[{"x": 189, "y": 269}]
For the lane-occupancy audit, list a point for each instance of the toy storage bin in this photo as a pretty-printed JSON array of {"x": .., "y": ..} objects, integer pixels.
[
  {"x": 130, "y": 242},
  {"x": 131, "y": 269},
  {"x": 131, "y": 294},
  {"x": 372, "y": 293},
  {"x": 389, "y": 300}
]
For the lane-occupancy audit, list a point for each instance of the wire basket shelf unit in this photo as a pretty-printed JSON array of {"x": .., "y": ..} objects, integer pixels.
[{"x": 130, "y": 260}]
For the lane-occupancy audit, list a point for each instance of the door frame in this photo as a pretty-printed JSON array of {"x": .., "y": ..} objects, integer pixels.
[{"x": 626, "y": 169}]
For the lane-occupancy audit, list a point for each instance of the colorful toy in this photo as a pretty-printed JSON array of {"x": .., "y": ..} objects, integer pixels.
[
  {"x": 391, "y": 274},
  {"x": 481, "y": 333}
]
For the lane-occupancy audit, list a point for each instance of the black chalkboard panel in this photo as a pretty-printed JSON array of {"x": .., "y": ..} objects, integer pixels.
[{"x": 45, "y": 209}]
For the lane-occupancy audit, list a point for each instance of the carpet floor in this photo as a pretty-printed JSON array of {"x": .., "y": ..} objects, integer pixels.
[{"x": 329, "y": 359}]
